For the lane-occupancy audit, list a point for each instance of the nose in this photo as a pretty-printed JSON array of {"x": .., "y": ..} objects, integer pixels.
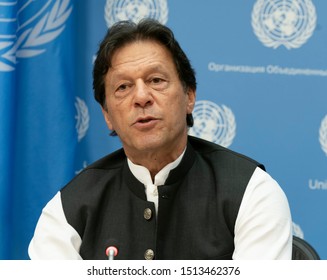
[{"x": 142, "y": 95}]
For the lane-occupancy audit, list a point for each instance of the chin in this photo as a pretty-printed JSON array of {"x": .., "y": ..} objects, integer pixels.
[
  {"x": 148, "y": 146},
  {"x": 149, "y": 143}
]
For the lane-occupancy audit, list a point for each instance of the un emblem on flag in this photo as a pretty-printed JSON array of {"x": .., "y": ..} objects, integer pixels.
[
  {"x": 25, "y": 29},
  {"x": 289, "y": 22},
  {"x": 82, "y": 118},
  {"x": 135, "y": 10},
  {"x": 7, "y": 35},
  {"x": 213, "y": 123},
  {"x": 323, "y": 134}
]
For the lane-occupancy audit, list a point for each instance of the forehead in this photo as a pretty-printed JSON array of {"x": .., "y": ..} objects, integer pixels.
[{"x": 141, "y": 53}]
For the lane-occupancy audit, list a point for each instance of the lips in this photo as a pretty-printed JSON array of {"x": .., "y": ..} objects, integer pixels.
[
  {"x": 145, "y": 122},
  {"x": 145, "y": 119}
]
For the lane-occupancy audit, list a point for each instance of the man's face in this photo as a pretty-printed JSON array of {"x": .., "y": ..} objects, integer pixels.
[{"x": 145, "y": 101}]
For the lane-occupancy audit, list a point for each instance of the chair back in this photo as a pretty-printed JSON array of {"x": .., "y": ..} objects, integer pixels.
[{"x": 302, "y": 250}]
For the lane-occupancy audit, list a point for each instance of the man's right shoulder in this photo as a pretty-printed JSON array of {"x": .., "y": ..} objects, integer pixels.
[
  {"x": 98, "y": 173},
  {"x": 111, "y": 161}
]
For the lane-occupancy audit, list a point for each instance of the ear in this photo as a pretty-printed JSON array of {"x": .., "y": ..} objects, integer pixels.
[
  {"x": 107, "y": 118},
  {"x": 191, "y": 100}
]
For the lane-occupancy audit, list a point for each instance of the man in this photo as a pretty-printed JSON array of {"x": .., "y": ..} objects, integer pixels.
[{"x": 164, "y": 195}]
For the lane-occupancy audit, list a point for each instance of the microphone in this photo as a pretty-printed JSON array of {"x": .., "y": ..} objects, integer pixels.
[{"x": 111, "y": 252}]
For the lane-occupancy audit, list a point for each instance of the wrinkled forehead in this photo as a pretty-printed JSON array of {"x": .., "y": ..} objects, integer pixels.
[
  {"x": 128, "y": 44},
  {"x": 140, "y": 51}
]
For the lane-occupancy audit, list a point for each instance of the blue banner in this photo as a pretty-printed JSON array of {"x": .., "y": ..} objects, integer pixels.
[{"x": 38, "y": 136}]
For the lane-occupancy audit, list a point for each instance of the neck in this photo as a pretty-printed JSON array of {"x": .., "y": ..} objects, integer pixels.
[{"x": 154, "y": 161}]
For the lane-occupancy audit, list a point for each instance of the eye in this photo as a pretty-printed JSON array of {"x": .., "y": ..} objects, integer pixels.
[
  {"x": 158, "y": 83},
  {"x": 123, "y": 88},
  {"x": 157, "y": 80}
]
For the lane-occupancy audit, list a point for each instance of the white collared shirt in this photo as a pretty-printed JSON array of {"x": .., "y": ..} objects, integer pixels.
[{"x": 151, "y": 188}]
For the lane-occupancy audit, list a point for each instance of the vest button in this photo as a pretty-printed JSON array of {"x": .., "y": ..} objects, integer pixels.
[
  {"x": 149, "y": 254},
  {"x": 147, "y": 214}
]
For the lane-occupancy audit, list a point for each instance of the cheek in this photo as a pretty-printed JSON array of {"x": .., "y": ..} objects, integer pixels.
[
  {"x": 108, "y": 120},
  {"x": 117, "y": 117},
  {"x": 177, "y": 110},
  {"x": 108, "y": 114}
]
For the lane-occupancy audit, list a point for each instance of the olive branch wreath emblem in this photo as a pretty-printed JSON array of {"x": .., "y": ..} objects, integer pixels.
[
  {"x": 82, "y": 118},
  {"x": 29, "y": 40},
  {"x": 226, "y": 137},
  {"x": 116, "y": 10},
  {"x": 323, "y": 134},
  {"x": 295, "y": 42}
]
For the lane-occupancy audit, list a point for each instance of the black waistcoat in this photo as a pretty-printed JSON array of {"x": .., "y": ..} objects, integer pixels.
[{"x": 198, "y": 206}]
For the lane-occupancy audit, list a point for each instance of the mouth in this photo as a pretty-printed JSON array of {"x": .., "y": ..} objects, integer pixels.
[{"x": 145, "y": 122}]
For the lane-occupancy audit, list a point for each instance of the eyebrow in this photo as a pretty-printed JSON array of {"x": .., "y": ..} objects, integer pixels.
[{"x": 157, "y": 67}]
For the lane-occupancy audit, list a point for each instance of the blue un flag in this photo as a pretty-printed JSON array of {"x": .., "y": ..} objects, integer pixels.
[{"x": 37, "y": 114}]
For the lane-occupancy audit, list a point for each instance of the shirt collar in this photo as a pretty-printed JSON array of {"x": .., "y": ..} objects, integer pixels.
[{"x": 143, "y": 174}]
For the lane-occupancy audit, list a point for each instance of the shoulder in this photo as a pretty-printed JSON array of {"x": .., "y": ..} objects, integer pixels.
[
  {"x": 98, "y": 172},
  {"x": 221, "y": 154},
  {"x": 111, "y": 161},
  {"x": 87, "y": 190}
]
